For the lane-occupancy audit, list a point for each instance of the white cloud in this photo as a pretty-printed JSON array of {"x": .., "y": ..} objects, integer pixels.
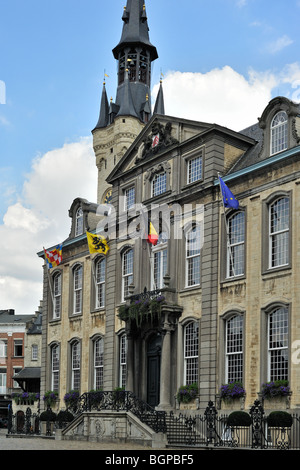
[
  {"x": 219, "y": 96},
  {"x": 40, "y": 218},
  {"x": 279, "y": 44}
]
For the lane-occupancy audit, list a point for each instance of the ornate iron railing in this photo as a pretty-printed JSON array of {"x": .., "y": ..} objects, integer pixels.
[
  {"x": 120, "y": 400},
  {"x": 207, "y": 429}
]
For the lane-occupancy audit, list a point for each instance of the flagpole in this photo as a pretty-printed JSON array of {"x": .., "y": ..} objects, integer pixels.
[
  {"x": 227, "y": 231},
  {"x": 49, "y": 280}
]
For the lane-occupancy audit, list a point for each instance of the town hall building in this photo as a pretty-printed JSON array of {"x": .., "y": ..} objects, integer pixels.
[{"x": 191, "y": 292}]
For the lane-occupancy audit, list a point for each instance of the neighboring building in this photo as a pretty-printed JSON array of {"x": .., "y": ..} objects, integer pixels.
[
  {"x": 224, "y": 307},
  {"x": 29, "y": 377},
  {"x": 12, "y": 337}
]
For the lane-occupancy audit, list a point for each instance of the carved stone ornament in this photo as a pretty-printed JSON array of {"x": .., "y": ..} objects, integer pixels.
[{"x": 159, "y": 139}]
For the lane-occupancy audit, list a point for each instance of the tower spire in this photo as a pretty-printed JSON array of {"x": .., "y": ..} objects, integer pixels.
[
  {"x": 134, "y": 53},
  {"x": 104, "y": 109}
]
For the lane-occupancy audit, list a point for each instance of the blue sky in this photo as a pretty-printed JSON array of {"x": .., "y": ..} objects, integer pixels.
[{"x": 222, "y": 61}]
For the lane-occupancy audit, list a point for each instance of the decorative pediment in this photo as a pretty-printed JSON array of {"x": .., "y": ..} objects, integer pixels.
[{"x": 159, "y": 139}]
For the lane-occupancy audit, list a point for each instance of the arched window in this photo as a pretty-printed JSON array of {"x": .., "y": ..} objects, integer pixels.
[
  {"x": 127, "y": 272},
  {"x": 234, "y": 349},
  {"x": 77, "y": 298},
  {"x": 55, "y": 366},
  {"x": 57, "y": 295},
  {"x": 79, "y": 222},
  {"x": 193, "y": 250},
  {"x": 98, "y": 363},
  {"x": 278, "y": 344},
  {"x": 191, "y": 346},
  {"x": 279, "y": 215},
  {"x": 100, "y": 282},
  {"x": 75, "y": 364},
  {"x": 160, "y": 263},
  {"x": 279, "y": 132},
  {"x": 236, "y": 245}
]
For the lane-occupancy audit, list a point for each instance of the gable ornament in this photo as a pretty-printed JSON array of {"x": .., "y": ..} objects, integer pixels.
[{"x": 159, "y": 139}]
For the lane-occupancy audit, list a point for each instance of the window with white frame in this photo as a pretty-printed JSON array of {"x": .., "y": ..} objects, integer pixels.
[
  {"x": 193, "y": 251},
  {"x": 56, "y": 295},
  {"x": 159, "y": 183},
  {"x": 127, "y": 272},
  {"x": 129, "y": 194},
  {"x": 3, "y": 348},
  {"x": 278, "y": 339},
  {"x": 75, "y": 354},
  {"x": 77, "y": 299},
  {"x": 234, "y": 349},
  {"x": 279, "y": 219},
  {"x": 55, "y": 365},
  {"x": 3, "y": 375},
  {"x": 236, "y": 245},
  {"x": 100, "y": 282},
  {"x": 79, "y": 222},
  {"x": 34, "y": 352},
  {"x": 123, "y": 354},
  {"x": 191, "y": 347},
  {"x": 194, "y": 169},
  {"x": 98, "y": 363},
  {"x": 279, "y": 133},
  {"x": 160, "y": 261}
]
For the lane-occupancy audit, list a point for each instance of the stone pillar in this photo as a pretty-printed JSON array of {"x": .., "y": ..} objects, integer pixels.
[{"x": 165, "y": 371}]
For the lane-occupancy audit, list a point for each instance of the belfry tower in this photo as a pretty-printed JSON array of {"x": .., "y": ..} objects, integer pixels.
[{"x": 121, "y": 121}]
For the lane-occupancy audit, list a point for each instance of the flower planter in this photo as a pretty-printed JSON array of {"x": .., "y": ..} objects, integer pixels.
[
  {"x": 233, "y": 403},
  {"x": 277, "y": 403},
  {"x": 192, "y": 405}
]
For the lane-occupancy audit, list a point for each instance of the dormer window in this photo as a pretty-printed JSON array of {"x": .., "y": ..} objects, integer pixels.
[
  {"x": 279, "y": 132},
  {"x": 79, "y": 222}
]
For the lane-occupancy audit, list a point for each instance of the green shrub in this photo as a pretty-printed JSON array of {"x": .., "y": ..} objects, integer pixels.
[
  {"x": 280, "y": 419},
  {"x": 239, "y": 418},
  {"x": 48, "y": 415},
  {"x": 65, "y": 416}
]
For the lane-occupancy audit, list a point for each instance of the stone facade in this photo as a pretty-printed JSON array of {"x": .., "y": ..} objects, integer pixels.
[{"x": 217, "y": 308}]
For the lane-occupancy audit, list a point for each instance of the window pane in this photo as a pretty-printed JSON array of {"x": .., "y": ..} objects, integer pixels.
[
  {"x": 279, "y": 131},
  {"x": 100, "y": 281},
  {"x": 279, "y": 232},
  {"x": 159, "y": 184},
  {"x": 127, "y": 271},
  {"x": 234, "y": 349},
  {"x": 98, "y": 364},
  {"x": 278, "y": 344},
  {"x": 77, "y": 289},
  {"x": 129, "y": 198},
  {"x": 193, "y": 248},
  {"x": 194, "y": 169},
  {"x": 79, "y": 223},
  {"x": 236, "y": 248},
  {"x": 191, "y": 345}
]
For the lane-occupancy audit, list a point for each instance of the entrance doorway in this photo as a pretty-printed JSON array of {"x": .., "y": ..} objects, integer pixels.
[{"x": 153, "y": 370}]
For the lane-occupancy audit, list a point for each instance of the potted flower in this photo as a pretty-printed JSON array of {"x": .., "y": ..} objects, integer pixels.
[
  {"x": 187, "y": 395},
  {"x": 232, "y": 394},
  {"x": 71, "y": 399},
  {"x": 50, "y": 398},
  {"x": 276, "y": 394}
]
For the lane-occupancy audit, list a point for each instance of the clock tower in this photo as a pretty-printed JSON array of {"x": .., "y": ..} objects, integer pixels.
[{"x": 121, "y": 121}]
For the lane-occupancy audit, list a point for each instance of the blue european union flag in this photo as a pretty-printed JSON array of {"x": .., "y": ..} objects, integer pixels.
[{"x": 229, "y": 199}]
